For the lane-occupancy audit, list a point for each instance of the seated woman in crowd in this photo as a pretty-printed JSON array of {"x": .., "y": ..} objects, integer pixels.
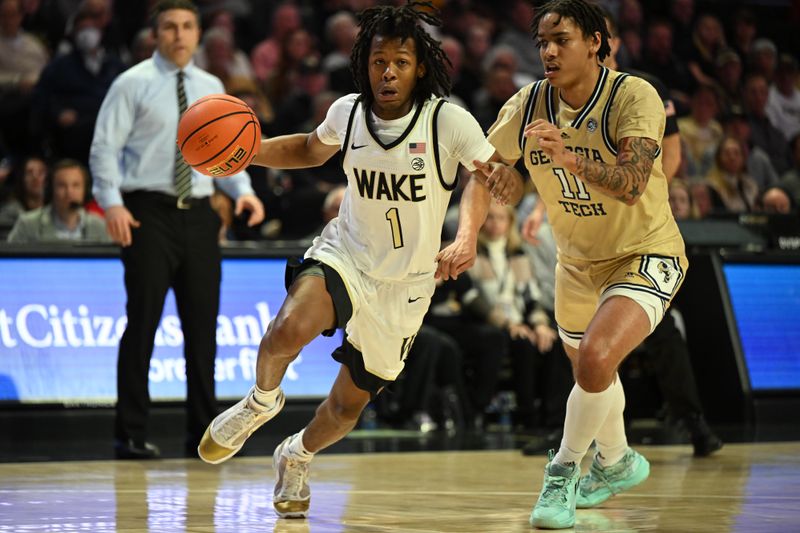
[
  {"x": 504, "y": 274},
  {"x": 733, "y": 190},
  {"x": 27, "y": 193},
  {"x": 681, "y": 201}
]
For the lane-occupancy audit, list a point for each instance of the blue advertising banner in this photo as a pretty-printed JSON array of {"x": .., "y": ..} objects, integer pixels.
[
  {"x": 766, "y": 305},
  {"x": 61, "y": 320}
]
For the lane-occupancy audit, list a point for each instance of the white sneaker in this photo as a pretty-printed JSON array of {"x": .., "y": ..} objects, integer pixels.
[
  {"x": 228, "y": 431},
  {"x": 292, "y": 496}
]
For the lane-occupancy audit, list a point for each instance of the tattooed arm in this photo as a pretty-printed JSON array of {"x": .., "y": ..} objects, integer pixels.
[{"x": 624, "y": 180}]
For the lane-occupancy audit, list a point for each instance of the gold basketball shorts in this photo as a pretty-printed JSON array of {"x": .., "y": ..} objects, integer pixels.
[{"x": 649, "y": 280}]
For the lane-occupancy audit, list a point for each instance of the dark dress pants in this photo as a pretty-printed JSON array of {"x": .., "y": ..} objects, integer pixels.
[
  {"x": 484, "y": 347},
  {"x": 175, "y": 248},
  {"x": 669, "y": 355}
]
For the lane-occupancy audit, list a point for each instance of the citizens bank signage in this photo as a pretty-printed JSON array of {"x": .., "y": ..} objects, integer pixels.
[{"x": 61, "y": 320}]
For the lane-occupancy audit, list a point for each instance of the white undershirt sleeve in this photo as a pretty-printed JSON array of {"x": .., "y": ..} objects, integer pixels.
[
  {"x": 334, "y": 128},
  {"x": 461, "y": 138}
]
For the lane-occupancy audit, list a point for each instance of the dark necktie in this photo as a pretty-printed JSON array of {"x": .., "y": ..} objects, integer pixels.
[{"x": 183, "y": 173}]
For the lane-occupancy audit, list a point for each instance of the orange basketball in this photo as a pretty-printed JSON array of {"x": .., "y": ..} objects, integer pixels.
[{"x": 219, "y": 135}]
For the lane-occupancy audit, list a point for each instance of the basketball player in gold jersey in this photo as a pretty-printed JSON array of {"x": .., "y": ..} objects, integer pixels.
[{"x": 590, "y": 139}]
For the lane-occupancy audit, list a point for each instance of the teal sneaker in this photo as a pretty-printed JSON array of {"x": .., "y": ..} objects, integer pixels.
[
  {"x": 555, "y": 508},
  {"x": 604, "y": 482}
]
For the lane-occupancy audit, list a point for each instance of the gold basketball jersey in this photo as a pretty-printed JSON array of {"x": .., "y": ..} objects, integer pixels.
[{"x": 589, "y": 224}]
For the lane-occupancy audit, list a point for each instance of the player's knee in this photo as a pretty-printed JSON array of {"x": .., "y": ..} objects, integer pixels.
[
  {"x": 289, "y": 333},
  {"x": 344, "y": 413},
  {"x": 595, "y": 367}
]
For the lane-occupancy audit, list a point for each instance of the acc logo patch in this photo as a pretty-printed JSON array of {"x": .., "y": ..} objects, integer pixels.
[
  {"x": 417, "y": 163},
  {"x": 591, "y": 125}
]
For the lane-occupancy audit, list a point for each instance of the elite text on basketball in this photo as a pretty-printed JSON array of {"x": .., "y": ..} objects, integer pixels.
[{"x": 223, "y": 168}]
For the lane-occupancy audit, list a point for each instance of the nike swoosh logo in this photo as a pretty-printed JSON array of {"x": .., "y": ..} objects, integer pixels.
[
  {"x": 354, "y": 147},
  {"x": 412, "y": 300}
]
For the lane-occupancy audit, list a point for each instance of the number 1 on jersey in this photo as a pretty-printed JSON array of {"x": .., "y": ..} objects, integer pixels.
[{"x": 393, "y": 216}]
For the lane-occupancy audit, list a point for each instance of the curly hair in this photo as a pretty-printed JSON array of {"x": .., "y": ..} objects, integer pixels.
[
  {"x": 402, "y": 22},
  {"x": 588, "y": 17}
]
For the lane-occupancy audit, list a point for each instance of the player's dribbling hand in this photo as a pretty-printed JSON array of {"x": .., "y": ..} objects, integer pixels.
[
  {"x": 503, "y": 183},
  {"x": 455, "y": 259},
  {"x": 119, "y": 222},
  {"x": 549, "y": 138}
]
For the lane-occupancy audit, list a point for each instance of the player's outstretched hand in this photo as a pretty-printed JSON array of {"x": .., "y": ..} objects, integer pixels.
[
  {"x": 503, "y": 182},
  {"x": 253, "y": 204},
  {"x": 455, "y": 259}
]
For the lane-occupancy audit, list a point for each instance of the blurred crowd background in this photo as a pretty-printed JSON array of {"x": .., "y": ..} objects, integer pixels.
[{"x": 730, "y": 67}]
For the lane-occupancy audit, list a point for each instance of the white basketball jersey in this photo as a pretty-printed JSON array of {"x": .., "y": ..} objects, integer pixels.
[{"x": 390, "y": 221}]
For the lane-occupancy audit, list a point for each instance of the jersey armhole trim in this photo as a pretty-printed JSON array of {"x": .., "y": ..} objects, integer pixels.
[
  {"x": 436, "y": 157},
  {"x": 552, "y": 117},
  {"x": 350, "y": 125},
  {"x": 607, "y": 111},
  {"x": 528, "y": 112}
]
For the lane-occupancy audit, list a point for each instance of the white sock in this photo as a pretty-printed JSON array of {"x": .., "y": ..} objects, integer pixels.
[
  {"x": 586, "y": 411},
  {"x": 296, "y": 450},
  {"x": 267, "y": 398},
  {"x": 611, "y": 441}
]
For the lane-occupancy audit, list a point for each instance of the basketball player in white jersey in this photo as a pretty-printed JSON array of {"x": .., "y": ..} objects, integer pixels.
[
  {"x": 590, "y": 138},
  {"x": 372, "y": 270}
]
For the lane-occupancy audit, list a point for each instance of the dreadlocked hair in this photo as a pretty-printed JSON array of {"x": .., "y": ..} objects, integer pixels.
[
  {"x": 402, "y": 22},
  {"x": 588, "y": 16}
]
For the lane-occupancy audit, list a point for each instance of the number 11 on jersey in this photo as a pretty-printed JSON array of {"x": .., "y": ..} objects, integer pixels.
[
  {"x": 566, "y": 190},
  {"x": 393, "y": 216}
]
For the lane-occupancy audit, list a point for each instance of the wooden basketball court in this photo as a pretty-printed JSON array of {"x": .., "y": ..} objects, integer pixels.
[{"x": 745, "y": 487}]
